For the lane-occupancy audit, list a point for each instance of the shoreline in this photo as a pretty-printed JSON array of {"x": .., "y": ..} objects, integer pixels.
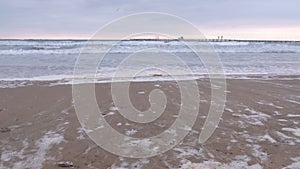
[{"x": 12, "y": 83}]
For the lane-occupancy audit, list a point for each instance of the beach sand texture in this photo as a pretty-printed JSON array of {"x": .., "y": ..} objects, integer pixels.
[{"x": 259, "y": 128}]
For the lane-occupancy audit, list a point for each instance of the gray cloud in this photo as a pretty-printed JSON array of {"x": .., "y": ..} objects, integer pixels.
[{"x": 73, "y": 18}]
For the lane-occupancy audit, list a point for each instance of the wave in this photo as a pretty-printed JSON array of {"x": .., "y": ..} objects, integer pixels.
[
  {"x": 75, "y": 47},
  {"x": 280, "y": 51}
]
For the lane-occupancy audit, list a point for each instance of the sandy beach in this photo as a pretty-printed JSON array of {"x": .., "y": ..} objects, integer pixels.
[
  {"x": 259, "y": 128},
  {"x": 90, "y": 84}
]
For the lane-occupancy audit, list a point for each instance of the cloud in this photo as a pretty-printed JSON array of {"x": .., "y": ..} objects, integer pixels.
[{"x": 81, "y": 18}]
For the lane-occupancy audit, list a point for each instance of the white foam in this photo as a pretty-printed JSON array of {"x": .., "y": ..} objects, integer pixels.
[
  {"x": 114, "y": 108},
  {"x": 286, "y": 139},
  {"x": 145, "y": 145},
  {"x": 256, "y": 151},
  {"x": 295, "y": 164},
  {"x": 99, "y": 79},
  {"x": 269, "y": 104},
  {"x": 43, "y": 145},
  {"x": 184, "y": 151},
  {"x": 81, "y": 133},
  {"x": 294, "y": 101},
  {"x": 293, "y": 115},
  {"x": 268, "y": 138},
  {"x": 125, "y": 165},
  {"x": 282, "y": 120},
  {"x": 295, "y": 131},
  {"x": 131, "y": 132},
  {"x": 217, "y": 165},
  {"x": 229, "y": 110},
  {"x": 256, "y": 117},
  {"x": 242, "y": 158}
]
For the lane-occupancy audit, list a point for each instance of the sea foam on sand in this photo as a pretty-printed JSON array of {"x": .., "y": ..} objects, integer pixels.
[
  {"x": 218, "y": 165},
  {"x": 43, "y": 145}
]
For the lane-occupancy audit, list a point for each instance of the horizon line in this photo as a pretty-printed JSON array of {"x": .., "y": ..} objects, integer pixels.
[{"x": 152, "y": 39}]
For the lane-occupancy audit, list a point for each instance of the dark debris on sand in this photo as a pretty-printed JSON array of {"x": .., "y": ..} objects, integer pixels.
[
  {"x": 4, "y": 130},
  {"x": 65, "y": 164}
]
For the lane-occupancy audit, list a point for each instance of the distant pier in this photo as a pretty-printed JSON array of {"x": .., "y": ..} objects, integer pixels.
[
  {"x": 238, "y": 40},
  {"x": 220, "y": 39}
]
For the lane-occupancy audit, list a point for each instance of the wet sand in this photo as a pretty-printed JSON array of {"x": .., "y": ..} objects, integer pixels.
[{"x": 259, "y": 127}]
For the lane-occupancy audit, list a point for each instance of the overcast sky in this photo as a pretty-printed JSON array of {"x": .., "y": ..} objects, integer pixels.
[{"x": 240, "y": 19}]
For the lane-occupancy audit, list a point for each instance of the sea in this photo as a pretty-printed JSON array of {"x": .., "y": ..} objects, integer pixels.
[{"x": 55, "y": 59}]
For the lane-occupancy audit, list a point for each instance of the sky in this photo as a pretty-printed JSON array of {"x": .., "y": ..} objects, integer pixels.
[{"x": 80, "y": 19}]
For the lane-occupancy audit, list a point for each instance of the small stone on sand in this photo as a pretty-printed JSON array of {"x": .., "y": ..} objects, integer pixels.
[
  {"x": 157, "y": 75},
  {"x": 4, "y": 130},
  {"x": 65, "y": 164}
]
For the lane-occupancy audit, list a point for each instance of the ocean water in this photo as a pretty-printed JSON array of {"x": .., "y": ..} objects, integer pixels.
[{"x": 55, "y": 59}]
